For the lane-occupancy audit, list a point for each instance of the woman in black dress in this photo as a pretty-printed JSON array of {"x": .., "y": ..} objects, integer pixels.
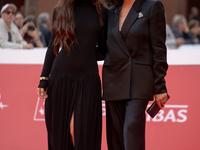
[{"x": 73, "y": 110}]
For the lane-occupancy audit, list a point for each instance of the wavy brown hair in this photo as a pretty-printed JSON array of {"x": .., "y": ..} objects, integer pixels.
[
  {"x": 64, "y": 24},
  {"x": 116, "y": 2}
]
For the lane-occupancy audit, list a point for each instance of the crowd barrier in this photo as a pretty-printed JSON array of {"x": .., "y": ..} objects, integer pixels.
[{"x": 22, "y": 125}]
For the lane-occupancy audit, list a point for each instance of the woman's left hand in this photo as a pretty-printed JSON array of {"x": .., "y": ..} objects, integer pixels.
[
  {"x": 161, "y": 99},
  {"x": 33, "y": 34},
  {"x": 24, "y": 29}
]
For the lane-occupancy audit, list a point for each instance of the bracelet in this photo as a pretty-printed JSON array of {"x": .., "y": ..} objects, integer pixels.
[{"x": 44, "y": 78}]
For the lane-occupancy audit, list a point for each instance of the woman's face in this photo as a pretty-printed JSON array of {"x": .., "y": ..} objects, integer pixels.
[
  {"x": 19, "y": 20},
  {"x": 195, "y": 30},
  {"x": 195, "y": 12}
]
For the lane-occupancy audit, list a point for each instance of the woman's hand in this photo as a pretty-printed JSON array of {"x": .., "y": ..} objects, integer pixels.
[
  {"x": 28, "y": 46},
  {"x": 161, "y": 99},
  {"x": 42, "y": 93},
  {"x": 33, "y": 34},
  {"x": 24, "y": 29}
]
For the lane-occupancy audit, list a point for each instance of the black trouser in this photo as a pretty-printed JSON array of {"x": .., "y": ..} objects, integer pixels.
[{"x": 125, "y": 121}]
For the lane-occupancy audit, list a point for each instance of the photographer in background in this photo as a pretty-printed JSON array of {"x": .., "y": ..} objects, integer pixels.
[
  {"x": 181, "y": 29},
  {"x": 30, "y": 32},
  {"x": 9, "y": 34}
]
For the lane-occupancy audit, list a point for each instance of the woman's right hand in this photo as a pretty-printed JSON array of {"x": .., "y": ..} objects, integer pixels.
[
  {"x": 42, "y": 93},
  {"x": 28, "y": 46},
  {"x": 24, "y": 29},
  {"x": 33, "y": 34},
  {"x": 161, "y": 99}
]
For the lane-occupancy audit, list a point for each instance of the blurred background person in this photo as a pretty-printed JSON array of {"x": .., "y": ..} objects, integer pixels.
[
  {"x": 19, "y": 18},
  {"x": 194, "y": 14},
  {"x": 22, "y": 9},
  {"x": 194, "y": 29},
  {"x": 181, "y": 30},
  {"x": 43, "y": 21},
  {"x": 31, "y": 33},
  {"x": 10, "y": 36},
  {"x": 171, "y": 41}
]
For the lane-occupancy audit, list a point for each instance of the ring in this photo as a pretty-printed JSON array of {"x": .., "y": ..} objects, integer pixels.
[{"x": 165, "y": 100}]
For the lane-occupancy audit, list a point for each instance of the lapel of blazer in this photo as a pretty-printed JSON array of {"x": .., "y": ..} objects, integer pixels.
[
  {"x": 131, "y": 18},
  {"x": 115, "y": 31}
]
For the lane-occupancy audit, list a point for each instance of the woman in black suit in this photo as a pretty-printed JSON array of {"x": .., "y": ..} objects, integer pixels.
[{"x": 134, "y": 69}]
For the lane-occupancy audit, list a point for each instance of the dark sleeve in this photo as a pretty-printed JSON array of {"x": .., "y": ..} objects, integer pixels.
[
  {"x": 189, "y": 39},
  {"x": 102, "y": 46},
  {"x": 42, "y": 39},
  {"x": 49, "y": 58},
  {"x": 48, "y": 37},
  {"x": 158, "y": 37},
  {"x": 177, "y": 33}
]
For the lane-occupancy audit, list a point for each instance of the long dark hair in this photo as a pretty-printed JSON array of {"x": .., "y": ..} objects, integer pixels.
[
  {"x": 64, "y": 24},
  {"x": 116, "y": 2}
]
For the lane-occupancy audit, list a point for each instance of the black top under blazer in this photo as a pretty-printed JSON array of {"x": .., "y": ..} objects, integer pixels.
[{"x": 135, "y": 64}]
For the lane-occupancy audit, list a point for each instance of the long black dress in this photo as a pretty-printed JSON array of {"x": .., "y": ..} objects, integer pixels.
[{"x": 74, "y": 84}]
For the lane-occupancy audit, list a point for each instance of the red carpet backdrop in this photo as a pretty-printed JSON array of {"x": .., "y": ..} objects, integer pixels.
[{"x": 22, "y": 124}]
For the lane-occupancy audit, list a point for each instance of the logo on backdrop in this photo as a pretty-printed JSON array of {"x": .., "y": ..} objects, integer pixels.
[
  {"x": 2, "y": 106},
  {"x": 39, "y": 110},
  {"x": 171, "y": 113}
]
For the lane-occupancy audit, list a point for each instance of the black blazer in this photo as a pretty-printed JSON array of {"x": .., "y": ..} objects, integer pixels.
[{"x": 135, "y": 64}]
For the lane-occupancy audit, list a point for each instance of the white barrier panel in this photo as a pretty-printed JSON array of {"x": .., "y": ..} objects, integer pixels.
[{"x": 36, "y": 56}]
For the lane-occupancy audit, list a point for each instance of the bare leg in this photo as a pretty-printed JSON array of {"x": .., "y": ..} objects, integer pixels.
[{"x": 72, "y": 128}]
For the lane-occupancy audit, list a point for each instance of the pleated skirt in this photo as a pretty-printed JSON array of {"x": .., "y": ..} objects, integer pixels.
[{"x": 65, "y": 95}]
